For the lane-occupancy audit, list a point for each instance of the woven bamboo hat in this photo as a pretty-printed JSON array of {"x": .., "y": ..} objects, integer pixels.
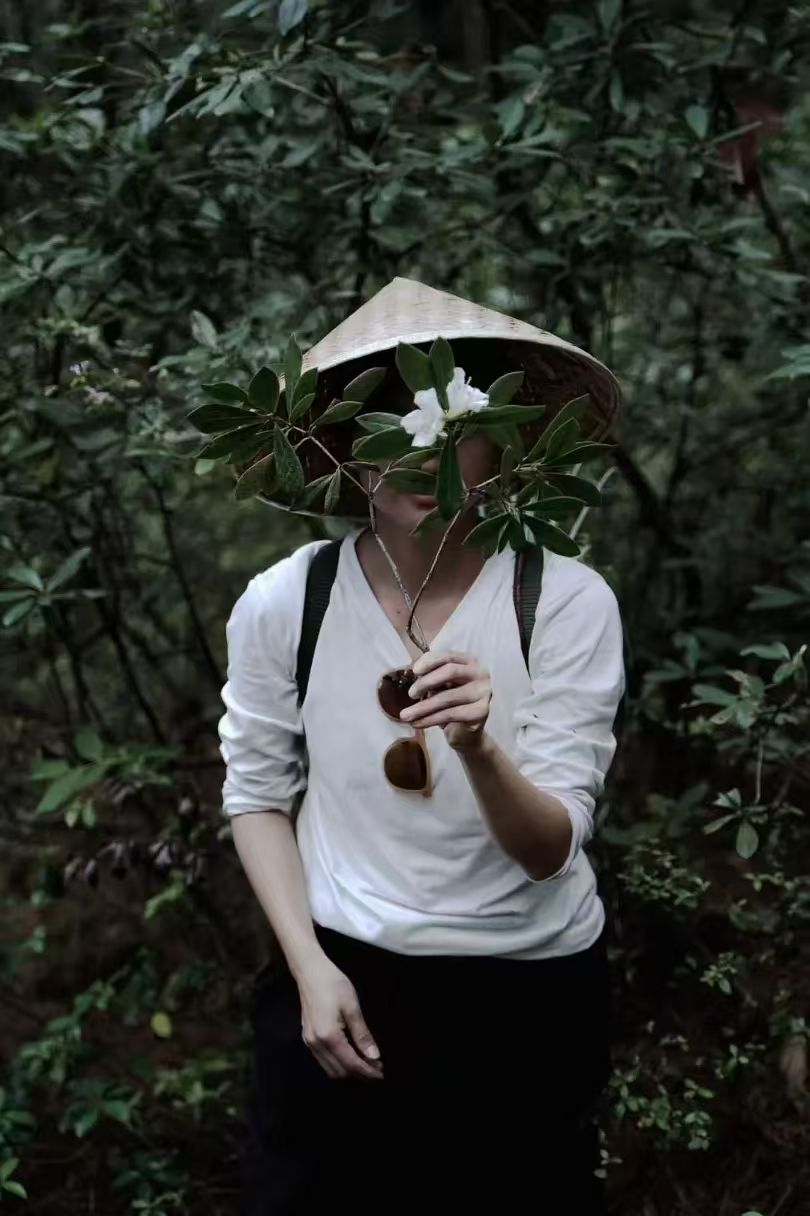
[{"x": 406, "y": 310}]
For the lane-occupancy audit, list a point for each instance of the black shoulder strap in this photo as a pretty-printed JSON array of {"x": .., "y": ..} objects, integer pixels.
[
  {"x": 526, "y": 587},
  {"x": 320, "y": 577}
]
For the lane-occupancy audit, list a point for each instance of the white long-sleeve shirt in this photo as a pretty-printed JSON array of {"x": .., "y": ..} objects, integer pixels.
[{"x": 422, "y": 875}]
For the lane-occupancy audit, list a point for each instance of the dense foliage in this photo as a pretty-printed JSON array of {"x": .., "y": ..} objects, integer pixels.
[{"x": 185, "y": 184}]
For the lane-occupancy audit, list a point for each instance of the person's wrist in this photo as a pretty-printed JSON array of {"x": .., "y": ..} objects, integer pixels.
[
  {"x": 475, "y": 744},
  {"x": 308, "y": 963}
]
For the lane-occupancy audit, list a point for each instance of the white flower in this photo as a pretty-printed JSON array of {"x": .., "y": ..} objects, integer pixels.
[
  {"x": 462, "y": 397},
  {"x": 426, "y": 422},
  {"x": 97, "y": 396}
]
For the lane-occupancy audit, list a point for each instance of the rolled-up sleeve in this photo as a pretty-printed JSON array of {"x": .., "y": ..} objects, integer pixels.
[
  {"x": 261, "y": 734},
  {"x": 565, "y": 739}
]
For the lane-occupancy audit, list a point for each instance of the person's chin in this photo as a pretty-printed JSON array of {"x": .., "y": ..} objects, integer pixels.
[{"x": 413, "y": 507}]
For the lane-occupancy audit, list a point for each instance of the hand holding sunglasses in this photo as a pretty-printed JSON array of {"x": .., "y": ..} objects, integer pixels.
[{"x": 453, "y": 692}]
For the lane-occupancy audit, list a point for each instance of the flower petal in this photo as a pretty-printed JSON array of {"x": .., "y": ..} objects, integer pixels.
[{"x": 426, "y": 399}]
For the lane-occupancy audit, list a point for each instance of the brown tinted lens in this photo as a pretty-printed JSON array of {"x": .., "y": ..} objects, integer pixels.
[
  {"x": 405, "y": 765},
  {"x": 393, "y": 691}
]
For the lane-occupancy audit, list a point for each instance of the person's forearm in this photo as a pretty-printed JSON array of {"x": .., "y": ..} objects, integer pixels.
[
  {"x": 268, "y": 851},
  {"x": 531, "y": 826}
]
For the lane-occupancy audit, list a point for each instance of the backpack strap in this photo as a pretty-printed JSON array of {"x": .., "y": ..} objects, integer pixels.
[
  {"x": 320, "y": 577},
  {"x": 526, "y": 587}
]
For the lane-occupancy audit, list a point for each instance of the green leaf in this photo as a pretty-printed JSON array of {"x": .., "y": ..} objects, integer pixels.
[
  {"x": 18, "y": 611},
  {"x": 510, "y": 112},
  {"x": 430, "y": 520},
  {"x": 15, "y": 1188},
  {"x": 498, "y": 414},
  {"x": 770, "y": 650},
  {"x": 417, "y": 457},
  {"x": 378, "y": 422},
  {"x": 582, "y": 453},
  {"x": 26, "y": 575},
  {"x": 68, "y": 568},
  {"x": 576, "y": 487},
  {"x": 717, "y": 824},
  {"x": 256, "y": 479},
  {"x": 8, "y": 1167},
  {"x": 46, "y": 767},
  {"x": 411, "y": 481},
  {"x": 747, "y": 841},
  {"x": 288, "y": 467},
  {"x": 382, "y": 445},
  {"x": 506, "y": 434},
  {"x": 414, "y": 367},
  {"x": 616, "y": 93},
  {"x": 263, "y": 390},
  {"x": 88, "y": 744},
  {"x": 450, "y": 487},
  {"x": 708, "y": 694},
  {"x": 697, "y": 119},
  {"x": 224, "y": 392},
  {"x": 243, "y": 7},
  {"x": 161, "y": 1024},
  {"x": 315, "y": 489},
  {"x": 301, "y": 405},
  {"x": 227, "y": 444},
  {"x": 609, "y": 13},
  {"x": 202, "y": 330},
  {"x": 307, "y": 384},
  {"x": 339, "y": 411},
  {"x": 571, "y": 411},
  {"x": 361, "y": 388},
  {"x": 290, "y": 14},
  {"x": 442, "y": 366},
  {"x": 292, "y": 370},
  {"x": 514, "y": 534},
  {"x": 67, "y": 786},
  {"x": 502, "y": 390},
  {"x": 485, "y": 535},
  {"x": 562, "y": 440},
  {"x": 332, "y": 492},
  {"x": 552, "y": 508},
  {"x": 211, "y": 419},
  {"x": 508, "y": 461},
  {"x": 552, "y": 538}
]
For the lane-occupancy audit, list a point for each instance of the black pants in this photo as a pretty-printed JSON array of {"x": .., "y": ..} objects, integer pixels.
[{"x": 492, "y": 1071}]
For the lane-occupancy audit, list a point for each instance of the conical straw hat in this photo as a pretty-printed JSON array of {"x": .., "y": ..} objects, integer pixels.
[{"x": 405, "y": 310}]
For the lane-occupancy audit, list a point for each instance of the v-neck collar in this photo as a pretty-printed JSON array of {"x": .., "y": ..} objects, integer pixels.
[{"x": 375, "y": 608}]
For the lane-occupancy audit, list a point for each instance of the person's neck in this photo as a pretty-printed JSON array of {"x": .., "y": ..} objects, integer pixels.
[{"x": 413, "y": 556}]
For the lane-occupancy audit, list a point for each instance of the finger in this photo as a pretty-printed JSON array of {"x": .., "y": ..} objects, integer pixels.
[
  {"x": 460, "y": 694},
  {"x": 426, "y": 662},
  {"x": 353, "y": 1064},
  {"x": 329, "y": 1066},
  {"x": 465, "y": 715},
  {"x": 448, "y": 673},
  {"x": 360, "y": 1034},
  {"x": 323, "y": 1057}
]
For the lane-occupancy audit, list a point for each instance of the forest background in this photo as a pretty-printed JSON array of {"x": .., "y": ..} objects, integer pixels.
[{"x": 184, "y": 184}]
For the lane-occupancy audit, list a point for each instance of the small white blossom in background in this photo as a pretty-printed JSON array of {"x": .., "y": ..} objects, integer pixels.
[
  {"x": 98, "y": 396},
  {"x": 426, "y": 422}
]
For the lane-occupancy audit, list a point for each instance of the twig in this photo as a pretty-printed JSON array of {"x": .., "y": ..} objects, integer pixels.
[
  {"x": 421, "y": 642},
  {"x": 603, "y": 480},
  {"x": 180, "y": 574}
]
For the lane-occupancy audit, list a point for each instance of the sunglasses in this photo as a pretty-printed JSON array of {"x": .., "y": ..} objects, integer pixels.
[{"x": 407, "y": 761}]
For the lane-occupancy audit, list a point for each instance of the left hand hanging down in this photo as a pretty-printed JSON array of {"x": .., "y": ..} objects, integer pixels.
[{"x": 456, "y": 694}]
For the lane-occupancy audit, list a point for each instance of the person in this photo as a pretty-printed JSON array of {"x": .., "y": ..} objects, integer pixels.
[{"x": 435, "y": 1037}]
